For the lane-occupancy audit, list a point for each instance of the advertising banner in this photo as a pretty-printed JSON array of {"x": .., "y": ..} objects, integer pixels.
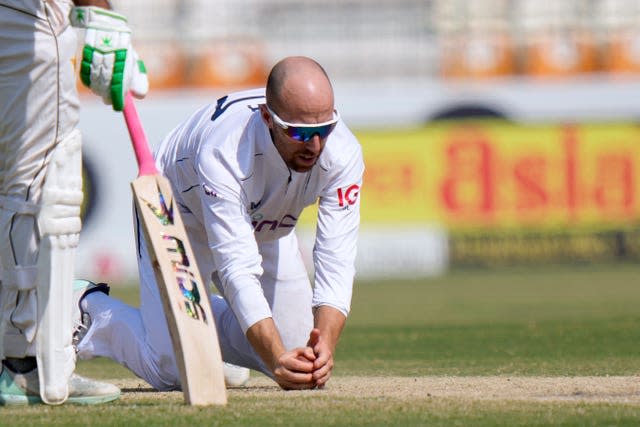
[
  {"x": 475, "y": 175},
  {"x": 510, "y": 193}
]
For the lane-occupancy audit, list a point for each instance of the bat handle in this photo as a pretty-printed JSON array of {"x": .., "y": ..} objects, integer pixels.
[{"x": 146, "y": 163}]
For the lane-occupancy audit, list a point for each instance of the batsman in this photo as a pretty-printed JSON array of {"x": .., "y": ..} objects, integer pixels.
[{"x": 41, "y": 185}]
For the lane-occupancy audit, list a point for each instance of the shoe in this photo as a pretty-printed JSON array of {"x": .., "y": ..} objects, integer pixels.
[
  {"x": 235, "y": 376},
  {"x": 82, "y": 319},
  {"x": 23, "y": 389}
]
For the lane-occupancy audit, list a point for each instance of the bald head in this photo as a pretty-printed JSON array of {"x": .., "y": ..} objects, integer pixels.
[{"x": 298, "y": 89}]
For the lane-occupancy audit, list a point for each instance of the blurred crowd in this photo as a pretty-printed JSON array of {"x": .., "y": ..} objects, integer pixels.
[{"x": 233, "y": 42}]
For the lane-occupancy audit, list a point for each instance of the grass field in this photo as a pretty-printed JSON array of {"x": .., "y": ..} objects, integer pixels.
[{"x": 521, "y": 347}]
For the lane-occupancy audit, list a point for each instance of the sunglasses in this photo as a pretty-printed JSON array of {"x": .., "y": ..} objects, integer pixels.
[{"x": 304, "y": 132}]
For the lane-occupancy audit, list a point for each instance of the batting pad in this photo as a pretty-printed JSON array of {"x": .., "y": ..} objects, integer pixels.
[{"x": 59, "y": 226}]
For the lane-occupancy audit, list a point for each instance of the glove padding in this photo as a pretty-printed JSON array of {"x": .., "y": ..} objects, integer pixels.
[{"x": 110, "y": 67}]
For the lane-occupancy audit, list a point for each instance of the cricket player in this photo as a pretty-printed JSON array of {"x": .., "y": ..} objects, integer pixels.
[
  {"x": 242, "y": 170},
  {"x": 41, "y": 184}
]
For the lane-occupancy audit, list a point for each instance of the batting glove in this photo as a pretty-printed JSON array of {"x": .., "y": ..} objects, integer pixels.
[{"x": 110, "y": 67}]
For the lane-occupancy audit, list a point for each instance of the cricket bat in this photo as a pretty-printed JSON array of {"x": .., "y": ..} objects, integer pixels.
[{"x": 185, "y": 297}]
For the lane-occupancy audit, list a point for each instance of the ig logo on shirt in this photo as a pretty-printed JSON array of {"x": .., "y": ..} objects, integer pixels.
[{"x": 348, "y": 196}]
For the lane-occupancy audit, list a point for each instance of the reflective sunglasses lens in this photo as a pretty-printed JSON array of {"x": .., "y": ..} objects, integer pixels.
[{"x": 304, "y": 134}]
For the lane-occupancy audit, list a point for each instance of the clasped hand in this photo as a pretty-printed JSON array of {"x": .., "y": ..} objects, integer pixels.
[{"x": 305, "y": 367}]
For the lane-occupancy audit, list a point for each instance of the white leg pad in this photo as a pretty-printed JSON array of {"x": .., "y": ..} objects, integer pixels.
[
  {"x": 59, "y": 227},
  {"x": 54, "y": 351}
]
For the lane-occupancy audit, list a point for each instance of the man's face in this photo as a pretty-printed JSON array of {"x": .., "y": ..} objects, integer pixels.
[{"x": 298, "y": 155}]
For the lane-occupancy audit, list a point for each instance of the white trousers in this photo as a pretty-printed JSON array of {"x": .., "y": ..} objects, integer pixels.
[
  {"x": 139, "y": 339},
  {"x": 39, "y": 108}
]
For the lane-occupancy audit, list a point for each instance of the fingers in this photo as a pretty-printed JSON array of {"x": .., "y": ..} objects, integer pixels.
[
  {"x": 322, "y": 352},
  {"x": 306, "y": 367},
  {"x": 295, "y": 369},
  {"x": 308, "y": 354},
  {"x": 290, "y": 380},
  {"x": 323, "y": 363},
  {"x": 139, "y": 81},
  {"x": 321, "y": 376},
  {"x": 302, "y": 360},
  {"x": 314, "y": 338}
]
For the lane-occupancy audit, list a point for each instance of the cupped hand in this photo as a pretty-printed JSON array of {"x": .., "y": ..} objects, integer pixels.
[
  {"x": 295, "y": 368},
  {"x": 323, "y": 363}
]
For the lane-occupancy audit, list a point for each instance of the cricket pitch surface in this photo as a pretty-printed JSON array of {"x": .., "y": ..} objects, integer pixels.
[{"x": 605, "y": 389}]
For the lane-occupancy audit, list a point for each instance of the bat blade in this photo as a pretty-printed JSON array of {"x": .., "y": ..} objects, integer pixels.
[{"x": 184, "y": 294}]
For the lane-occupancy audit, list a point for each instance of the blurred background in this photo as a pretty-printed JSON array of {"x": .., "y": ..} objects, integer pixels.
[
  {"x": 495, "y": 132},
  {"x": 204, "y": 43}
]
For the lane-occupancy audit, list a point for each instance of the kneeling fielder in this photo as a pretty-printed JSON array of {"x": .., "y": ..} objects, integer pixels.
[{"x": 242, "y": 171}]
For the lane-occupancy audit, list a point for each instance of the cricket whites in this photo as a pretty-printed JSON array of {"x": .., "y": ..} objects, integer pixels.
[{"x": 185, "y": 297}]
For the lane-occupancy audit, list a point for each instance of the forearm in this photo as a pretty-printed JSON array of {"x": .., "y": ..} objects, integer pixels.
[
  {"x": 330, "y": 322},
  {"x": 291, "y": 369},
  {"x": 265, "y": 339}
]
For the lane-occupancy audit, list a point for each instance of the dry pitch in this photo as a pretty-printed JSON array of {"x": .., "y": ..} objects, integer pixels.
[{"x": 610, "y": 389}]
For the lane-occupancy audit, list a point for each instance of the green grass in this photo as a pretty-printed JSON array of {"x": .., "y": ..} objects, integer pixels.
[
  {"x": 586, "y": 347},
  {"x": 523, "y": 322},
  {"x": 541, "y": 322},
  {"x": 314, "y": 411}
]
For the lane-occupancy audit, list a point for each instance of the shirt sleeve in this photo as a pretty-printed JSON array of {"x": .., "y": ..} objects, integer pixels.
[
  {"x": 233, "y": 246},
  {"x": 335, "y": 247}
]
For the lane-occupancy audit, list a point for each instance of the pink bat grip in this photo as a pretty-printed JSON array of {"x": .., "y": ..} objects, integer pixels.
[{"x": 146, "y": 163}]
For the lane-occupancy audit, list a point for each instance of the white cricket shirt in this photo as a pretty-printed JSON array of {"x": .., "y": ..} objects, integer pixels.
[{"x": 226, "y": 171}]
